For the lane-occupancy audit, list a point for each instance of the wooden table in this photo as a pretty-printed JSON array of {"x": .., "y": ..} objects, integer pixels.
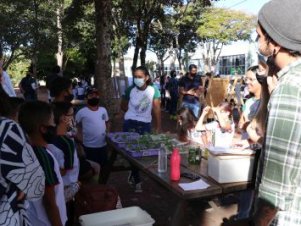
[{"x": 148, "y": 165}]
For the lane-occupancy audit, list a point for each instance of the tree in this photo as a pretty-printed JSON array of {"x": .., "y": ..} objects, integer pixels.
[
  {"x": 219, "y": 27},
  {"x": 103, "y": 66}
]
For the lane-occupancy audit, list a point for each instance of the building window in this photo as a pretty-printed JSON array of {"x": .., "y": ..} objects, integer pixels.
[{"x": 229, "y": 65}]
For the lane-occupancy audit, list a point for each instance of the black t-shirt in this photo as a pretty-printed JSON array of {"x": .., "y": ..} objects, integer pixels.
[{"x": 188, "y": 84}]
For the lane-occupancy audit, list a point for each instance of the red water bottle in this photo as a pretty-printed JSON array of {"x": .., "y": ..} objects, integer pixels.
[{"x": 175, "y": 160}]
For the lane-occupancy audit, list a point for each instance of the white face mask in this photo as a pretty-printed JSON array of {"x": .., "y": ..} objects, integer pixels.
[{"x": 139, "y": 82}]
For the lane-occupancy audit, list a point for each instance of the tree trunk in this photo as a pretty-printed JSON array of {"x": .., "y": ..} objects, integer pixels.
[
  {"x": 60, "y": 54},
  {"x": 121, "y": 66},
  {"x": 142, "y": 56},
  {"x": 103, "y": 68},
  {"x": 136, "y": 53},
  {"x": 179, "y": 56}
]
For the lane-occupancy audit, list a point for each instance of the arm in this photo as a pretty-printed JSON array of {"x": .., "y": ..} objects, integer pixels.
[
  {"x": 124, "y": 105},
  {"x": 79, "y": 134},
  {"x": 200, "y": 124},
  {"x": 225, "y": 125},
  {"x": 108, "y": 126},
  {"x": 51, "y": 206},
  {"x": 157, "y": 114}
]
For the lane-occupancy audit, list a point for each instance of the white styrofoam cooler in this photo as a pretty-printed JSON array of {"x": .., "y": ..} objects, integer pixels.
[
  {"x": 130, "y": 216},
  {"x": 230, "y": 168}
]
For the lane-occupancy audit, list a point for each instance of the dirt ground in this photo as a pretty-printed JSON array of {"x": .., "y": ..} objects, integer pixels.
[{"x": 155, "y": 199}]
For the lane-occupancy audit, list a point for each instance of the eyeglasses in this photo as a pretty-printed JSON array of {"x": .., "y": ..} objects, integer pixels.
[{"x": 69, "y": 114}]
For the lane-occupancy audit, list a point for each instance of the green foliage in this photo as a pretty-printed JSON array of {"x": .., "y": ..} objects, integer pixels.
[{"x": 225, "y": 25}]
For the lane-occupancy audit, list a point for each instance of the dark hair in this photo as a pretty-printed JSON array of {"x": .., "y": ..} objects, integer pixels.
[
  {"x": 58, "y": 85},
  {"x": 59, "y": 109},
  {"x": 15, "y": 103},
  {"x": 187, "y": 118},
  {"x": 227, "y": 107},
  {"x": 253, "y": 69},
  {"x": 56, "y": 69},
  {"x": 145, "y": 72},
  {"x": 33, "y": 115},
  {"x": 191, "y": 66},
  {"x": 269, "y": 39},
  {"x": 5, "y": 107},
  {"x": 173, "y": 74}
]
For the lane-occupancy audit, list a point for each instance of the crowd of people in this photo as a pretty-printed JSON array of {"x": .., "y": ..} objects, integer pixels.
[{"x": 49, "y": 150}]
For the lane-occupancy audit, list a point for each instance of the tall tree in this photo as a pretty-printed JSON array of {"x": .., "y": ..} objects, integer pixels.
[
  {"x": 103, "y": 69},
  {"x": 219, "y": 27}
]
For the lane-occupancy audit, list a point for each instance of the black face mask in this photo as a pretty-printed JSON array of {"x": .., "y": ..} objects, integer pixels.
[
  {"x": 261, "y": 79},
  {"x": 50, "y": 134},
  {"x": 69, "y": 98},
  {"x": 93, "y": 101}
]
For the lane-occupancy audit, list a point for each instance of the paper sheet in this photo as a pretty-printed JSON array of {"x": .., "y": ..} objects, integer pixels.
[{"x": 196, "y": 185}]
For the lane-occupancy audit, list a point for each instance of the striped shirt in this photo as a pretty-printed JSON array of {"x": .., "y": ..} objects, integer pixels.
[{"x": 280, "y": 181}]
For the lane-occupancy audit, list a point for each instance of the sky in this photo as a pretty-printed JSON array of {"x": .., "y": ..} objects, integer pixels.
[{"x": 250, "y": 6}]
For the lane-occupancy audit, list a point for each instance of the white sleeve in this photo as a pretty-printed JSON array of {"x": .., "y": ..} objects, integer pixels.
[
  {"x": 106, "y": 115},
  {"x": 78, "y": 117},
  {"x": 8, "y": 85}
]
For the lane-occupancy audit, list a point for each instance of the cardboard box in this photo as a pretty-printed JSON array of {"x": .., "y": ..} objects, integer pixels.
[
  {"x": 230, "y": 168},
  {"x": 130, "y": 216}
]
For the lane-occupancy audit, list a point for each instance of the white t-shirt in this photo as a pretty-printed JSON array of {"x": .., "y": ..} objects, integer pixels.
[
  {"x": 140, "y": 103},
  {"x": 37, "y": 211},
  {"x": 195, "y": 136},
  {"x": 71, "y": 175},
  {"x": 7, "y": 85},
  {"x": 221, "y": 139},
  {"x": 93, "y": 126}
]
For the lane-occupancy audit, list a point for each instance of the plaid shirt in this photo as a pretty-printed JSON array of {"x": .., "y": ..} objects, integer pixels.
[{"x": 280, "y": 182}]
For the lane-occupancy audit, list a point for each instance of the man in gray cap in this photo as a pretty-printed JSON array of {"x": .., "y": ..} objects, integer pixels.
[
  {"x": 278, "y": 183},
  {"x": 278, "y": 200}
]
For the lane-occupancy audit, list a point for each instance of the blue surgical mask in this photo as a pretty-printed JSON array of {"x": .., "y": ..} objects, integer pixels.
[{"x": 139, "y": 82}]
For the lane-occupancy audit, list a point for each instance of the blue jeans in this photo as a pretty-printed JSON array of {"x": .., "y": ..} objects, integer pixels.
[
  {"x": 141, "y": 128},
  {"x": 194, "y": 107}
]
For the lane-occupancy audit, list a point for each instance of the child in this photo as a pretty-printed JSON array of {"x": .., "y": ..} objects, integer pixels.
[
  {"x": 36, "y": 118},
  {"x": 63, "y": 149},
  {"x": 223, "y": 126},
  {"x": 185, "y": 125},
  {"x": 92, "y": 122}
]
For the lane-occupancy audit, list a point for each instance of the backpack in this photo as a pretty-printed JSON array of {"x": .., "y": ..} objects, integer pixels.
[{"x": 93, "y": 198}]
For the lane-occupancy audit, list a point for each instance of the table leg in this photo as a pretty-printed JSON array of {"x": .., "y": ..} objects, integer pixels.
[
  {"x": 178, "y": 218},
  {"x": 106, "y": 170}
]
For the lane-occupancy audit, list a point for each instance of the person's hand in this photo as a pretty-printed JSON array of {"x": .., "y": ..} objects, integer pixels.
[
  {"x": 191, "y": 92},
  {"x": 206, "y": 110},
  {"x": 252, "y": 132}
]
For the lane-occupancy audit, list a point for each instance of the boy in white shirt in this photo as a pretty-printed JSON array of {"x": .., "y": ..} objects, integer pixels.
[{"x": 92, "y": 123}]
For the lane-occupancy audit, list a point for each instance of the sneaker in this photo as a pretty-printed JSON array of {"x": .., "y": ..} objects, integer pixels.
[{"x": 138, "y": 188}]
